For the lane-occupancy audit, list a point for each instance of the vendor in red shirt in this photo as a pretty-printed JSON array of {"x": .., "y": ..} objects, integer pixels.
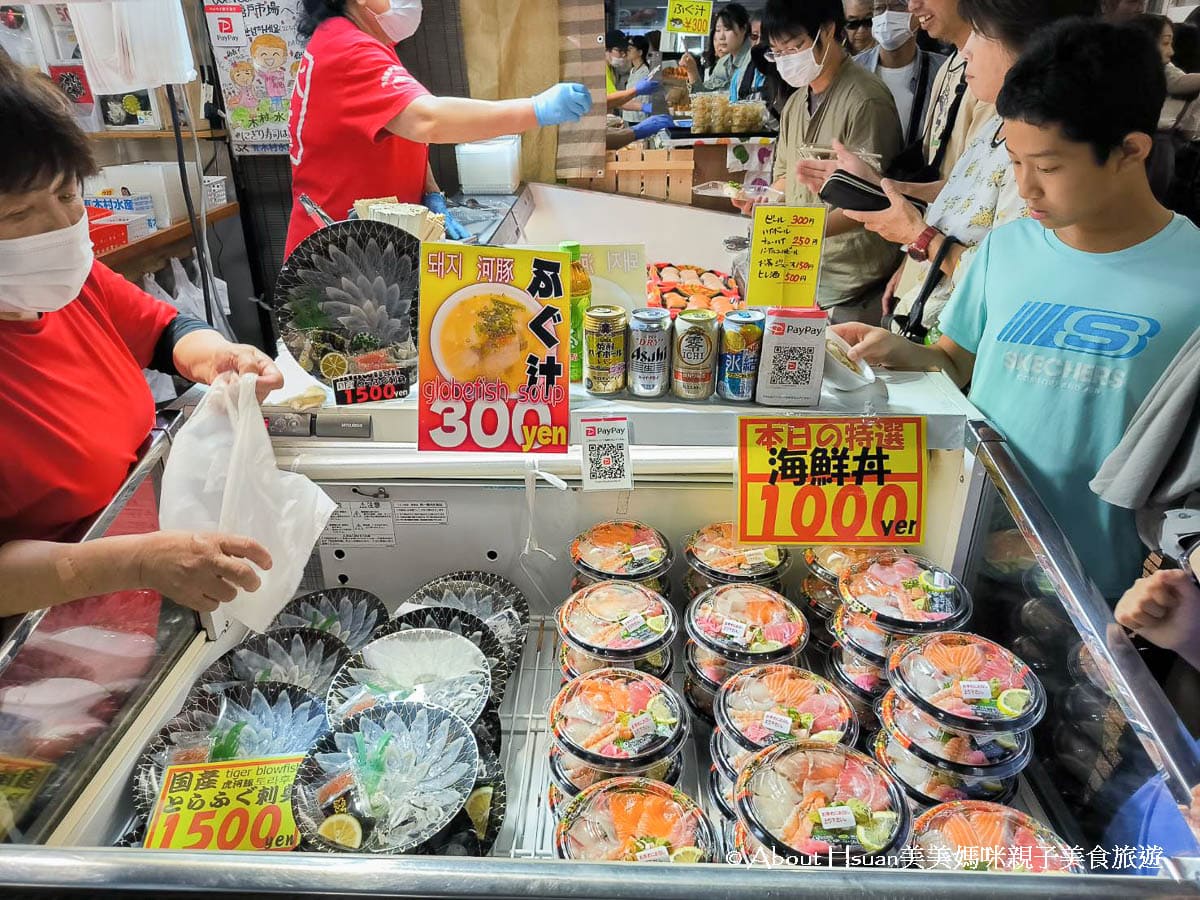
[
  {"x": 361, "y": 125},
  {"x": 74, "y": 405}
]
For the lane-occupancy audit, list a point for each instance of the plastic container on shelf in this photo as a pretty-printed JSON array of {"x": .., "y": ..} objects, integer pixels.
[
  {"x": 722, "y": 790},
  {"x": 622, "y": 550},
  {"x": 869, "y": 677},
  {"x": 573, "y": 663},
  {"x": 726, "y": 755},
  {"x": 828, "y": 561},
  {"x": 714, "y": 552},
  {"x": 980, "y": 836},
  {"x": 821, "y": 601},
  {"x": 490, "y": 167},
  {"x": 928, "y": 784},
  {"x": 905, "y": 594},
  {"x": 765, "y": 705},
  {"x": 862, "y": 701},
  {"x": 861, "y": 634},
  {"x": 571, "y": 775},
  {"x": 616, "y": 623},
  {"x": 747, "y": 623},
  {"x": 968, "y": 683},
  {"x": 822, "y": 803},
  {"x": 660, "y": 585},
  {"x": 635, "y": 820}
]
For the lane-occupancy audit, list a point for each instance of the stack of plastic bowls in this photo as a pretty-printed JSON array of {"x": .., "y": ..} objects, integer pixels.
[
  {"x": 622, "y": 550},
  {"x": 616, "y": 623},
  {"x": 714, "y": 558}
]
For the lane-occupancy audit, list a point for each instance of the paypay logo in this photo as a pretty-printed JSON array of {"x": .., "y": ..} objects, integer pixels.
[
  {"x": 1080, "y": 329},
  {"x": 781, "y": 328}
]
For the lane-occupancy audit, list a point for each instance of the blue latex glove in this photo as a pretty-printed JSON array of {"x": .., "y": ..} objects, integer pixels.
[
  {"x": 436, "y": 203},
  {"x": 647, "y": 86},
  {"x": 652, "y": 125},
  {"x": 562, "y": 103},
  {"x": 647, "y": 107}
]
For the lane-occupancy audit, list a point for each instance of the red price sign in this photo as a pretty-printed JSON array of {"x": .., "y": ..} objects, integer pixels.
[
  {"x": 831, "y": 480},
  {"x": 494, "y": 339},
  {"x": 243, "y": 805}
]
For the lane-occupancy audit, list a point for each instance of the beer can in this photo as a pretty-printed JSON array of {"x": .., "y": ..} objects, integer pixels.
[
  {"x": 604, "y": 350},
  {"x": 694, "y": 355},
  {"x": 650, "y": 352},
  {"x": 741, "y": 347}
]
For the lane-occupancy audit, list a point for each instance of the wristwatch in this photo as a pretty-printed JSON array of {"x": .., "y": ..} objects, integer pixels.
[{"x": 918, "y": 250}]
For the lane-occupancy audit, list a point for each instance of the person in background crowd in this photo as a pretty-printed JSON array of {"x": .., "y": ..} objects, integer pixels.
[
  {"x": 835, "y": 100},
  {"x": 1187, "y": 47},
  {"x": 756, "y": 30},
  {"x": 907, "y": 70},
  {"x": 1164, "y": 608},
  {"x": 1079, "y": 108},
  {"x": 731, "y": 41},
  {"x": 654, "y": 56},
  {"x": 639, "y": 71},
  {"x": 620, "y": 97},
  {"x": 1121, "y": 11},
  {"x": 361, "y": 125},
  {"x": 859, "y": 16}
]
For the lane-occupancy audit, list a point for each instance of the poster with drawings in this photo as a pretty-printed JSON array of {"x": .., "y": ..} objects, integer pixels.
[{"x": 257, "y": 53}]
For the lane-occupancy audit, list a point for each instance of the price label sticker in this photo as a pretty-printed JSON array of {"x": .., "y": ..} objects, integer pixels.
[
  {"x": 777, "y": 722},
  {"x": 975, "y": 690},
  {"x": 734, "y": 629},
  {"x": 242, "y": 805},
  {"x": 633, "y": 623},
  {"x": 370, "y": 387},
  {"x": 836, "y": 818},
  {"x": 642, "y": 552},
  {"x": 653, "y": 854},
  {"x": 642, "y": 725},
  {"x": 756, "y": 556}
]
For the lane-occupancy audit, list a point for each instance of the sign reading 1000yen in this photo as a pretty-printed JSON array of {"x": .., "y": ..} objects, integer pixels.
[
  {"x": 828, "y": 480},
  {"x": 495, "y": 342}
]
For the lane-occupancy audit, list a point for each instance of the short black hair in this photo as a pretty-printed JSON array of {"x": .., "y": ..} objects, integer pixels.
[
  {"x": 1187, "y": 47},
  {"x": 1014, "y": 22},
  {"x": 314, "y": 12},
  {"x": 788, "y": 18},
  {"x": 641, "y": 43},
  {"x": 1151, "y": 23},
  {"x": 1096, "y": 81},
  {"x": 40, "y": 142},
  {"x": 616, "y": 40},
  {"x": 734, "y": 16}
]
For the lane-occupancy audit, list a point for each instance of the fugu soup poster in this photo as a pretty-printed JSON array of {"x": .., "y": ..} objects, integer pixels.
[{"x": 494, "y": 345}]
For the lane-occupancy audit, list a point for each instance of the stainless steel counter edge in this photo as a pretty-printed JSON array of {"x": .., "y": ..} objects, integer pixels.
[{"x": 160, "y": 873}]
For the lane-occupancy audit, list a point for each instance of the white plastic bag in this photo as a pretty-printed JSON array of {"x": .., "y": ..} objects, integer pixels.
[
  {"x": 221, "y": 477},
  {"x": 130, "y": 45},
  {"x": 162, "y": 387},
  {"x": 189, "y": 298}
]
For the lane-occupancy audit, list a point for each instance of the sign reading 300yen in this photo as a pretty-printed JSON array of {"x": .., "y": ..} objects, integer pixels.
[{"x": 689, "y": 16}]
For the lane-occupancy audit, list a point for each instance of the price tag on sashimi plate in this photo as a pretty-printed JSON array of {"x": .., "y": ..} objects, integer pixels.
[
  {"x": 975, "y": 690},
  {"x": 776, "y": 722},
  {"x": 238, "y": 805},
  {"x": 836, "y": 818},
  {"x": 494, "y": 343}
]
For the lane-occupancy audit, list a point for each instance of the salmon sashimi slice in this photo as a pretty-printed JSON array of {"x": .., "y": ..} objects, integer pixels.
[
  {"x": 789, "y": 691},
  {"x": 761, "y": 611},
  {"x": 962, "y": 661},
  {"x": 625, "y": 810},
  {"x": 959, "y": 832},
  {"x": 990, "y": 830}
]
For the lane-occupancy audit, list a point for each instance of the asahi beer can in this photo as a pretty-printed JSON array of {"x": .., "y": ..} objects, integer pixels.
[
  {"x": 604, "y": 350},
  {"x": 741, "y": 347},
  {"x": 694, "y": 355},
  {"x": 650, "y": 352}
]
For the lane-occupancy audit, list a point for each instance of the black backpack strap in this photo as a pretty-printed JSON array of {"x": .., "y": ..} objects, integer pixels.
[{"x": 920, "y": 99}]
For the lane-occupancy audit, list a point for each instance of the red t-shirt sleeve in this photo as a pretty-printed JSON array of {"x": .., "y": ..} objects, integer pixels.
[
  {"x": 375, "y": 87},
  {"x": 138, "y": 317}
]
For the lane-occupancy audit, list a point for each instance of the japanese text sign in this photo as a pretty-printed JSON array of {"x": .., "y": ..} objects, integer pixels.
[
  {"x": 241, "y": 805},
  {"x": 21, "y": 780},
  {"x": 828, "y": 480},
  {"x": 494, "y": 340},
  {"x": 785, "y": 255},
  {"x": 689, "y": 16}
]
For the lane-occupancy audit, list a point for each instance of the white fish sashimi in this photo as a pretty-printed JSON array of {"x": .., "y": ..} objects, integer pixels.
[
  {"x": 112, "y": 655},
  {"x": 51, "y": 698}
]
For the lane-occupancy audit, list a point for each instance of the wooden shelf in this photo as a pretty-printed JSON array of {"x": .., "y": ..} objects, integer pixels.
[
  {"x": 204, "y": 134},
  {"x": 151, "y": 252}
]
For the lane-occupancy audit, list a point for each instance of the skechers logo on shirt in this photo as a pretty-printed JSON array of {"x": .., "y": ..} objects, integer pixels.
[{"x": 1097, "y": 332}]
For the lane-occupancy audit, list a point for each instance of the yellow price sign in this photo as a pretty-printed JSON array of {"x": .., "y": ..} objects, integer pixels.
[
  {"x": 826, "y": 480},
  {"x": 785, "y": 255},
  {"x": 689, "y": 16},
  {"x": 240, "y": 805},
  {"x": 20, "y": 782}
]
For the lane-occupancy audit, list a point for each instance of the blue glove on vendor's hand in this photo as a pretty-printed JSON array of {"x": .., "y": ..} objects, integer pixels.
[
  {"x": 562, "y": 103},
  {"x": 647, "y": 86},
  {"x": 652, "y": 125},
  {"x": 647, "y": 108},
  {"x": 436, "y": 203}
]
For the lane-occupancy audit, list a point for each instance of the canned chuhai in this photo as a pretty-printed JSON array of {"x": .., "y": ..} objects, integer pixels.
[
  {"x": 604, "y": 350},
  {"x": 741, "y": 347}
]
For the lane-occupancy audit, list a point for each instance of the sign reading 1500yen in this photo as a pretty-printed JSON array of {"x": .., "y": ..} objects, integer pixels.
[
  {"x": 494, "y": 339},
  {"x": 831, "y": 480}
]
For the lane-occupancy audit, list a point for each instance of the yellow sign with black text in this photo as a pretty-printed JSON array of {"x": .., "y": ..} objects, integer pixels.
[
  {"x": 689, "y": 16},
  {"x": 785, "y": 255},
  {"x": 21, "y": 780}
]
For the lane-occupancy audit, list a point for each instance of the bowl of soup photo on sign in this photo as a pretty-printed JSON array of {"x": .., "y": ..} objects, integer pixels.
[{"x": 481, "y": 333}]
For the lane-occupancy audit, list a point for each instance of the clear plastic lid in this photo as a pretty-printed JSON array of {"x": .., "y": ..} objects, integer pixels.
[
  {"x": 634, "y": 820},
  {"x": 765, "y": 705},
  {"x": 822, "y": 597},
  {"x": 979, "y": 836},
  {"x": 827, "y": 562},
  {"x": 820, "y": 801},
  {"x": 869, "y": 677},
  {"x": 862, "y": 701},
  {"x": 574, "y": 663},
  {"x": 572, "y": 775},
  {"x": 619, "y": 719},
  {"x": 617, "y": 620},
  {"x": 928, "y": 785},
  {"x": 967, "y": 682},
  {"x": 1000, "y": 755},
  {"x": 747, "y": 623},
  {"x": 713, "y": 551},
  {"x": 722, "y": 789},
  {"x": 905, "y": 594},
  {"x": 621, "y": 549},
  {"x": 710, "y": 668},
  {"x": 860, "y": 633},
  {"x": 732, "y": 190},
  {"x": 729, "y": 757}
]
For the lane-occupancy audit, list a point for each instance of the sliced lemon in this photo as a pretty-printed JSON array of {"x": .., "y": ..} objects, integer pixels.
[
  {"x": 342, "y": 829},
  {"x": 829, "y": 737},
  {"x": 1013, "y": 701},
  {"x": 766, "y": 646},
  {"x": 657, "y": 624},
  {"x": 334, "y": 365},
  {"x": 479, "y": 808},
  {"x": 1007, "y": 741},
  {"x": 660, "y": 711},
  {"x": 688, "y": 855},
  {"x": 877, "y": 834}
]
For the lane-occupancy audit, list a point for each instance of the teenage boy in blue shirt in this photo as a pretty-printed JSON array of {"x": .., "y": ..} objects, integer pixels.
[{"x": 1067, "y": 319}]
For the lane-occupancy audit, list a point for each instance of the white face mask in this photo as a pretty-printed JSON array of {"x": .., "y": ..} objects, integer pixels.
[
  {"x": 621, "y": 66},
  {"x": 44, "y": 272},
  {"x": 800, "y": 69},
  {"x": 892, "y": 29},
  {"x": 401, "y": 21}
]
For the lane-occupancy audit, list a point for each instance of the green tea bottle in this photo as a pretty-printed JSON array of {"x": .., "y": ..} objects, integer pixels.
[{"x": 581, "y": 299}]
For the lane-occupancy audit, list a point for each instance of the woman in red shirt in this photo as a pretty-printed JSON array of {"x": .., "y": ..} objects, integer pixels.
[
  {"x": 361, "y": 124},
  {"x": 74, "y": 405}
]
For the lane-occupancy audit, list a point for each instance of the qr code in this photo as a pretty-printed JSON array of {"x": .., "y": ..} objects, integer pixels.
[
  {"x": 792, "y": 365},
  {"x": 606, "y": 462}
]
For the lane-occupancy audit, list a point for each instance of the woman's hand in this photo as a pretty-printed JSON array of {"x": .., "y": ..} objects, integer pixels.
[
  {"x": 693, "y": 70},
  {"x": 203, "y": 355},
  {"x": 1164, "y": 609},
  {"x": 199, "y": 571},
  {"x": 813, "y": 173},
  {"x": 875, "y": 346},
  {"x": 901, "y": 223}
]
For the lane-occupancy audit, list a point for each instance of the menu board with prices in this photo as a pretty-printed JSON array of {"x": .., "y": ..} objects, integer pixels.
[{"x": 785, "y": 255}]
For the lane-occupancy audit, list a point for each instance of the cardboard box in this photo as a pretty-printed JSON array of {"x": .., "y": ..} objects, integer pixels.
[
  {"x": 138, "y": 204},
  {"x": 137, "y": 225},
  {"x": 161, "y": 181},
  {"x": 793, "y": 357}
]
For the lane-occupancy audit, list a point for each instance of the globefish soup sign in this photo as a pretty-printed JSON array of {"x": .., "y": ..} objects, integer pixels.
[{"x": 494, "y": 342}]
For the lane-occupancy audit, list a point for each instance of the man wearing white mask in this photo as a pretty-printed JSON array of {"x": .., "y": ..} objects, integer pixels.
[
  {"x": 835, "y": 100},
  {"x": 361, "y": 124},
  {"x": 905, "y": 68}
]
